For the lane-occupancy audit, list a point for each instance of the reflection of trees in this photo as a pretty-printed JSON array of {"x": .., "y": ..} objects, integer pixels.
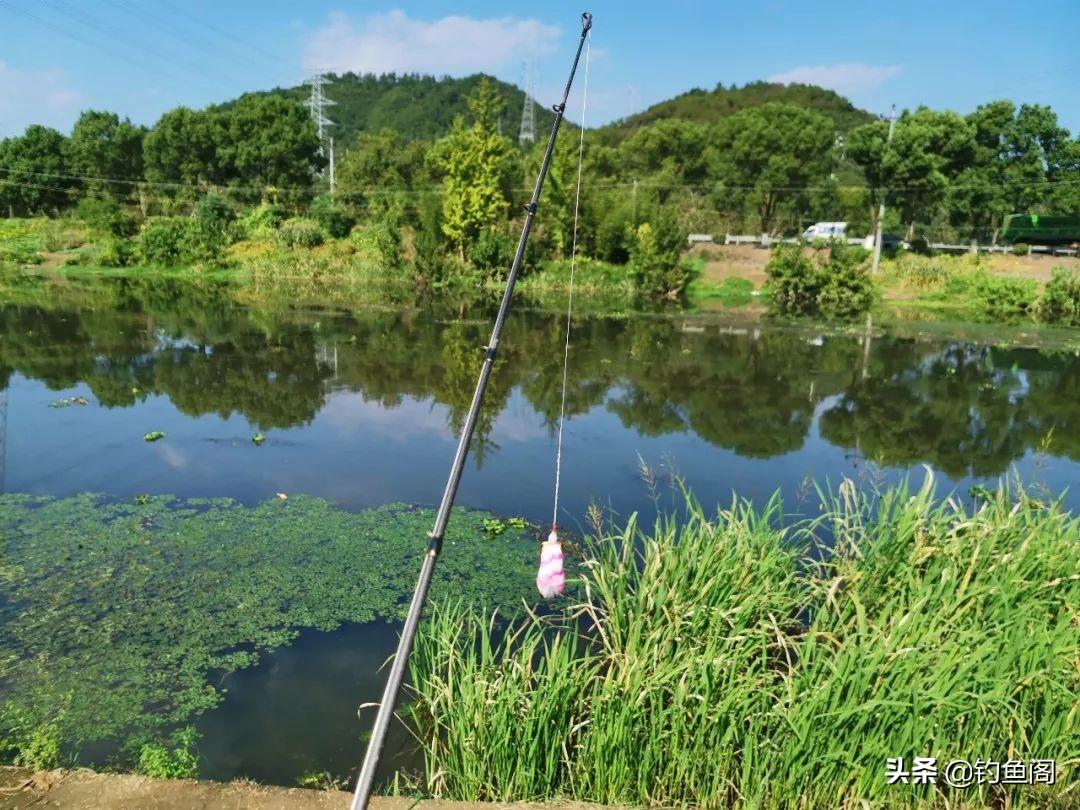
[
  {"x": 960, "y": 408},
  {"x": 1052, "y": 401},
  {"x": 954, "y": 409}
]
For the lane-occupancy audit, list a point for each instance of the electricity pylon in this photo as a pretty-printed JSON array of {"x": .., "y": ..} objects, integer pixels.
[{"x": 527, "y": 133}]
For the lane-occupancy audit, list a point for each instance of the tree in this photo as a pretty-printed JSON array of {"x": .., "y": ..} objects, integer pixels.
[
  {"x": 270, "y": 144},
  {"x": 378, "y": 168},
  {"x": 865, "y": 146},
  {"x": 33, "y": 173},
  {"x": 656, "y": 257},
  {"x": 476, "y": 163},
  {"x": 669, "y": 151},
  {"x": 767, "y": 155},
  {"x": 928, "y": 151},
  {"x": 182, "y": 149},
  {"x": 103, "y": 146}
]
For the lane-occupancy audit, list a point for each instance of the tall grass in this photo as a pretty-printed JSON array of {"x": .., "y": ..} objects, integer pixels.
[{"x": 731, "y": 661}]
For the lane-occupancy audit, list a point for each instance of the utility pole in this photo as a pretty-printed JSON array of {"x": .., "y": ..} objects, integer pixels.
[
  {"x": 527, "y": 133},
  {"x": 881, "y": 205},
  {"x": 331, "y": 165}
]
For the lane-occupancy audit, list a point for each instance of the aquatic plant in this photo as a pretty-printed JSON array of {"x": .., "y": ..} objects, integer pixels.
[
  {"x": 119, "y": 619},
  {"x": 176, "y": 761},
  {"x": 734, "y": 662}
]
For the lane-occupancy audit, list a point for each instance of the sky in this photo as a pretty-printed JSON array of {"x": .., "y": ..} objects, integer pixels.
[{"x": 140, "y": 58}]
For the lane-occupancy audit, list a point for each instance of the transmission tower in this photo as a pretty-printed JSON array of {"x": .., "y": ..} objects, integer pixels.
[
  {"x": 317, "y": 104},
  {"x": 527, "y": 133}
]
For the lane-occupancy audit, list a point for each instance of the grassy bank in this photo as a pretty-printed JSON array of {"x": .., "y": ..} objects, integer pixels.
[{"x": 729, "y": 661}]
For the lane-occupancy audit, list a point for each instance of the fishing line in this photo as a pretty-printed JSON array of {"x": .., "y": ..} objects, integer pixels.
[
  {"x": 570, "y": 295},
  {"x": 550, "y": 576}
]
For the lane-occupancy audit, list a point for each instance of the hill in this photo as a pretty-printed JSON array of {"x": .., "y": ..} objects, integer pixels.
[
  {"x": 708, "y": 106},
  {"x": 419, "y": 107}
]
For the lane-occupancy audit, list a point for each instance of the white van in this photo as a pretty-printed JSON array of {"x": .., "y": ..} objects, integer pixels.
[{"x": 825, "y": 230}]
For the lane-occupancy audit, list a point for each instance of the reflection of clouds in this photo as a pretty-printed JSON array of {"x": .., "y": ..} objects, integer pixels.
[
  {"x": 518, "y": 422},
  {"x": 350, "y": 415},
  {"x": 176, "y": 459}
]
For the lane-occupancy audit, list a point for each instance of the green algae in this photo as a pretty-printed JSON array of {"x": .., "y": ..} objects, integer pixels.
[{"x": 119, "y": 619}]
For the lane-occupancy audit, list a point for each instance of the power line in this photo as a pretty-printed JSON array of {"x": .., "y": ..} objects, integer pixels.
[
  {"x": 98, "y": 46},
  {"x": 602, "y": 186},
  {"x": 148, "y": 22},
  {"x": 274, "y": 59}
]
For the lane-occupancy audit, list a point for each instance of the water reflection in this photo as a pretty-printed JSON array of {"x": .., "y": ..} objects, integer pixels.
[{"x": 965, "y": 409}]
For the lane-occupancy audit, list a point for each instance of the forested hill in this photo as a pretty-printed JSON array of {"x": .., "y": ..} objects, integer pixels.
[
  {"x": 708, "y": 106},
  {"x": 418, "y": 107},
  {"x": 423, "y": 107}
]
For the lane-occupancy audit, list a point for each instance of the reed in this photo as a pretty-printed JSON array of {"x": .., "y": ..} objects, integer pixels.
[{"x": 743, "y": 660}]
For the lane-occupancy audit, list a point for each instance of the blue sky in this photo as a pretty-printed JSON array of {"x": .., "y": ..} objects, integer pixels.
[{"x": 142, "y": 57}]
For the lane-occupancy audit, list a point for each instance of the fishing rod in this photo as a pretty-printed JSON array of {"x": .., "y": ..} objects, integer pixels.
[{"x": 366, "y": 780}]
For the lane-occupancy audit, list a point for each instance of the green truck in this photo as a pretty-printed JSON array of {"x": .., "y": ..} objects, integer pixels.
[{"x": 1041, "y": 229}]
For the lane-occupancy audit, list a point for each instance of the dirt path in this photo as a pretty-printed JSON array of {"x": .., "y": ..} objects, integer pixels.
[
  {"x": 748, "y": 261},
  {"x": 87, "y": 790}
]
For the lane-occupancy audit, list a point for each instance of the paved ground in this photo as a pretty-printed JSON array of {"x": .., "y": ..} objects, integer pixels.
[{"x": 87, "y": 790}]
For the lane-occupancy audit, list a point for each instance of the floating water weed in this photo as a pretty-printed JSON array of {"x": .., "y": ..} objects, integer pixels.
[{"x": 116, "y": 615}]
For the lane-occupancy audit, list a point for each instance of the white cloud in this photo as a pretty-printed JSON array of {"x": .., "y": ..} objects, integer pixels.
[
  {"x": 36, "y": 97},
  {"x": 395, "y": 43},
  {"x": 847, "y": 78}
]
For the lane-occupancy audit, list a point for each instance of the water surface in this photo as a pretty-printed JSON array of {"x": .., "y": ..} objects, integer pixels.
[{"x": 362, "y": 409}]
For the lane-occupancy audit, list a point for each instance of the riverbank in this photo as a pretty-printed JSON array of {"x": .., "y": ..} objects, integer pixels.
[
  {"x": 87, "y": 790},
  {"x": 365, "y": 270}
]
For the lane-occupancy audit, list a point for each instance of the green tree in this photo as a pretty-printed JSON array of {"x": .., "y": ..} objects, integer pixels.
[
  {"x": 379, "y": 169},
  {"x": 477, "y": 167},
  {"x": 182, "y": 149},
  {"x": 270, "y": 143},
  {"x": 33, "y": 172},
  {"x": 656, "y": 257},
  {"x": 766, "y": 155},
  {"x": 104, "y": 146},
  {"x": 929, "y": 150}
]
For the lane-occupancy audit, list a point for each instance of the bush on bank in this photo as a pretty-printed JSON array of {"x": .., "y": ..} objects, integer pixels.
[{"x": 829, "y": 282}]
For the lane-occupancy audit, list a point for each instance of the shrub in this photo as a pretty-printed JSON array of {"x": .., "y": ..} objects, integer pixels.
[
  {"x": 921, "y": 246},
  {"x": 174, "y": 241},
  {"x": 832, "y": 283},
  {"x": 1021, "y": 249},
  {"x": 1006, "y": 297},
  {"x": 379, "y": 244},
  {"x": 261, "y": 222},
  {"x": 299, "y": 232},
  {"x": 62, "y": 234},
  {"x": 332, "y": 216},
  {"x": 492, "y": 250},
  {"x": 1060, "y": 302},
  {"x": 116, "y": 252},
  {"x": 656, "y": 262},
  {"x": 214, "y": 210},
  {"x": 921, "y": 272},
  {"x": 613, "y": 235},
  {"x": 104, "y": 216}
]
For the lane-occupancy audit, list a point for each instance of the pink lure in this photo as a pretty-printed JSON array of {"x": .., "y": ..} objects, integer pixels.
[{"x": 550, "y": 578}]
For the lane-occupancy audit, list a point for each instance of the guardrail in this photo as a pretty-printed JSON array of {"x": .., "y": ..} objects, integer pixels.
[{"x": 764, "y": 240}]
